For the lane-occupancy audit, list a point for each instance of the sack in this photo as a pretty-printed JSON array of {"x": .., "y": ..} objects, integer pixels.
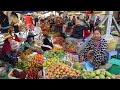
[
  {"x": 113, "y": 44},
  {"x": 111, "y": 41}
]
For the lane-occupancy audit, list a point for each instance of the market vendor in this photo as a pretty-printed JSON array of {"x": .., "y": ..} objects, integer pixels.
[
  {"x": 27, "y": 44},
  {"x": 77, "y": 33},
  {"x": 47, "y": 43},
  {"x": 95, "y": 50},
  {"x": 12, "y": 33},
  {"x": 7, "y": 48}
]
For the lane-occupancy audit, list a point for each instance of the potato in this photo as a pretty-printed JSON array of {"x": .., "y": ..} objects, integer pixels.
[
  {"x": 61, "y": 70},
  {"x": 59, "y": 73},
  {"x": 64, "y": 73},
  {"x": 57, "y": 76}
]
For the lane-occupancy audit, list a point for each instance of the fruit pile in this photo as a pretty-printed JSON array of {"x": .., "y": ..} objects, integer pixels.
[
  {"x": 24, "y": 56},
  {"x": 19, "y": 74},
  {"x": 23, "y": 65},
  {"x": 58, "y": 48},
  {"x": 52, "y": 61},
  {"x": 97, "y": 74},
  {"x": 39, "y": 57},
  {"x": 59, "y": 40},
  {"x": 54, "y": 53},
  {"x": 79, "y": 67},
  {"x": 28, "y": 52},
  {"x": 60, "y": 71},
  {"x": 35, "y": 64},
  {"x": 34, "y": 73},
  {"x": 70, "y": 47}
]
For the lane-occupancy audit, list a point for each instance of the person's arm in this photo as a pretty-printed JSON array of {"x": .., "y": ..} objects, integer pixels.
[
  {"x": 86, "y": 49},
  {"x": 47, "y": 43}
]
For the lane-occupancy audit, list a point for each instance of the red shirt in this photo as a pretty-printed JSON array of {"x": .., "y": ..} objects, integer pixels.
[
  {"x": 29, "y": 20},
  {"x": 86, "y": 33},
  {"x": 6, "y": 48},
  {"x": 17, "y": 39}
]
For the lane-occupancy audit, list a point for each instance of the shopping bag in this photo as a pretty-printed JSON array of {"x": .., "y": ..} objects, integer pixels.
[{"x": 89, "y": 66}]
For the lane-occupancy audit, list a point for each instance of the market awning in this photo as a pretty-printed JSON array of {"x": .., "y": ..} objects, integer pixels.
[{"x": 24, "y": 12}]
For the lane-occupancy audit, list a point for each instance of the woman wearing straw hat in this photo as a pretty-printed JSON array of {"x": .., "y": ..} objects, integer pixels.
[{"x": 6, "y": 46}]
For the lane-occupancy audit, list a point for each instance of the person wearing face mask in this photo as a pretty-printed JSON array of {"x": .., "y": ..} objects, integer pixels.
[{"x": 96, "y": 50}]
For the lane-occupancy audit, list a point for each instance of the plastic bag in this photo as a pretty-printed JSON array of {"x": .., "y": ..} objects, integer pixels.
[
  {"x": 111, "y": 41},
  {"x": 89, "y": 66},
  {"x": 115, "y": 33},
  {"x": 113, "y": 44}
]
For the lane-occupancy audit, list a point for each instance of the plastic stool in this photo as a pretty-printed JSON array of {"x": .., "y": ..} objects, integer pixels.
[
  {"x": 111, "y": 53},
  {"x": 118, "y": 56}
]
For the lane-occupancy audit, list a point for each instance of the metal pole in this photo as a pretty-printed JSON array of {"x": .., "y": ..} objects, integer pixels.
[
  {"x": 109, "y": 22},
  {"x": 103, "y": 21},
  {"x": 116, "y": 25}
]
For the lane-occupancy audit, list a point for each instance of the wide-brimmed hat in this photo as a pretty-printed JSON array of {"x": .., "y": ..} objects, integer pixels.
[{"x": 7, "y": 35}]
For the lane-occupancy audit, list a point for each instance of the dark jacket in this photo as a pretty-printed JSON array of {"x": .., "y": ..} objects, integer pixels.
[
  {"x": 4, "y": 20},
  {"x": 46, "y": 41},
  {"x": 78, "y": 32}
]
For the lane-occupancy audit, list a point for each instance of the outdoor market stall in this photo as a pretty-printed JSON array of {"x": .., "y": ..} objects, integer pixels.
[{"x": 61, "y": 62}]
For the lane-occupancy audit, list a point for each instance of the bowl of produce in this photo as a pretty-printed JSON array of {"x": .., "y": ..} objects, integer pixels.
[{"x": 17, "y": 74}]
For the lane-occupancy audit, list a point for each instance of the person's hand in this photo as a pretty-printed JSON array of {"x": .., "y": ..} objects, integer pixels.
[
  {"x": 82, "y": 59},
  {"x": 19, "y": 60},
  {"x": 88, "y": 54}
]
